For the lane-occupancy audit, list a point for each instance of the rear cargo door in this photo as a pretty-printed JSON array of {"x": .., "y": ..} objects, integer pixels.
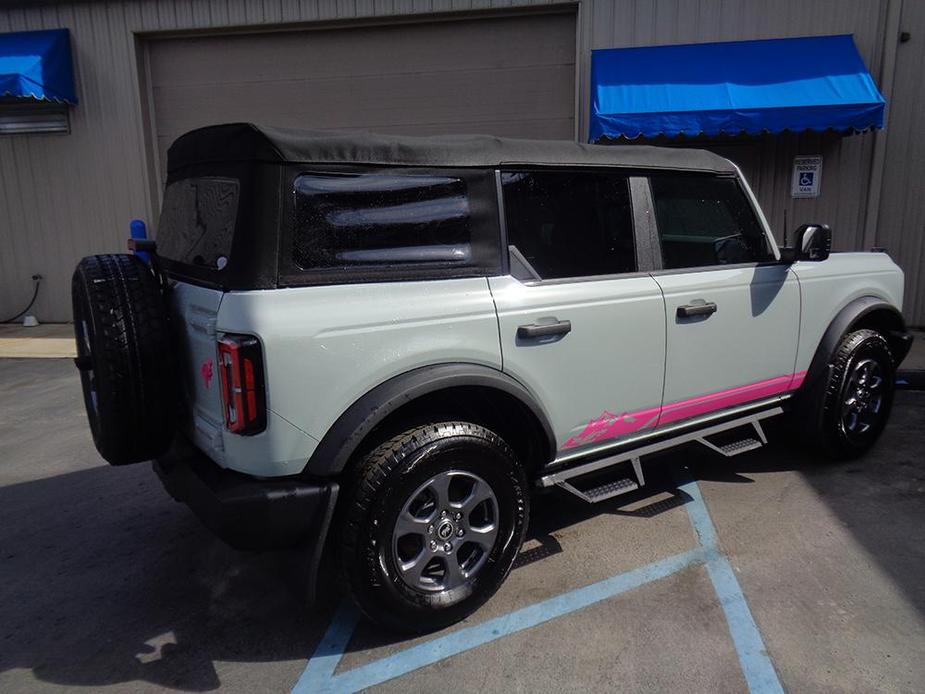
[
  {"x": 194, "y": 312},
  {"x": 195, "y": 240}
]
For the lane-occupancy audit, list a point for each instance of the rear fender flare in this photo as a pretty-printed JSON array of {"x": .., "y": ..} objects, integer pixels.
[{"x": 353, "y": 426}]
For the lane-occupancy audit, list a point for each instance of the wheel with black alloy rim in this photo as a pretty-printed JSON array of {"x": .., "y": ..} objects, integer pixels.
[
  {"x": 432, "y": 525},
  {"x": 859, "y": 395},
  {"x": 862, "y": 399}
]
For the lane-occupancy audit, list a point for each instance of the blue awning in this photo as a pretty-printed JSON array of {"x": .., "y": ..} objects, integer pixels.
[
  {"x": 37, "y": 65},
  {"x": 815, "y": 83}
]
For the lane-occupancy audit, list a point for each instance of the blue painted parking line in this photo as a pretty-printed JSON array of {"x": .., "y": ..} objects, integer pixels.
[
  {"x": 753, "y": 656},
  {"x": 463, "y": 640},
  {"x": 320, "y": 669},
  {"x": 319, "y": 674}
]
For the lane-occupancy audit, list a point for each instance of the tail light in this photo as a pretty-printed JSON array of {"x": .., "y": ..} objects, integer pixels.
[{"x": 241, "y": 368}]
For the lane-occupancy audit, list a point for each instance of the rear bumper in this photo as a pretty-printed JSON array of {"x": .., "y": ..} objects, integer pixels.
[{"x": 245, "y": 512}]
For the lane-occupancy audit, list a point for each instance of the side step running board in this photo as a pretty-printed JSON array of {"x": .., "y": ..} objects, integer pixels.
[
  {"x": 608, "y": 490},
  {"x": 623, "y": 485},
  {"x": 741, "y": 446}
]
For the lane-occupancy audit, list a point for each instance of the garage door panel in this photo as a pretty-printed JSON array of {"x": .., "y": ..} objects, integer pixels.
[
  {"x": 540, "y": 129},
  {"x": 510, "y": 76},
  {"x": 402, "y": 49},
  {"x": 390, "y": 100}
]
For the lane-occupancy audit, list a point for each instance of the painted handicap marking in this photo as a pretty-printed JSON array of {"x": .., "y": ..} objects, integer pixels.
[
  {"x": 319, "y": 674},
  {"x": 320, "y": 669},
  {"x": 753, "y": 656},
  {"x": 465, "y": 639}
]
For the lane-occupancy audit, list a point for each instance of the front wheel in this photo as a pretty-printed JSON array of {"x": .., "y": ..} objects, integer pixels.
[
  {"x": 432, "y": 525},
  {"x": 858, "y": 397}
]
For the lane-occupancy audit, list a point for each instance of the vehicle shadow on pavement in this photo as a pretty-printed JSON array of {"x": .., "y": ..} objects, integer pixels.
[
  {"x": 105, "y": 580},
  {"x": 838, "y": 483},
  {"x": 878, "y": 498}
]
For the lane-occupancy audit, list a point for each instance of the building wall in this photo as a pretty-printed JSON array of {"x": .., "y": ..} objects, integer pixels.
[
  {"x": 900, "y": 224},
  {"x": 65, "y": 196}
]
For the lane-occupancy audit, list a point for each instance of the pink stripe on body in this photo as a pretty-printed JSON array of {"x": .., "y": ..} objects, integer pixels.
[
  {"x": 610, "y": 426},
  {"x": 723, "y": 399}
]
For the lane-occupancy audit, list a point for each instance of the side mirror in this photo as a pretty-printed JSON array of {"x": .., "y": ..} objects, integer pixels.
[{"x": 813, "y": 242}]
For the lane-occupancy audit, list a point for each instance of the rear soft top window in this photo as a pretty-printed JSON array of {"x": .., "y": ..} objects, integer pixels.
[
  {"x": 198, "y": 220},
  {"x": 356, "y": 226},
  {"x": 381, "y": 219}
]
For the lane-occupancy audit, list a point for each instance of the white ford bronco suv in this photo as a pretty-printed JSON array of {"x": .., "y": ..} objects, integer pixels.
[{"x": 381, "y": 346}]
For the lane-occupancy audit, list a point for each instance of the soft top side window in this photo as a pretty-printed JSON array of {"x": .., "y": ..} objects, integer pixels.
[
  {"x": 393, "y": 224},
  {"x": 568, "y": 224},
  {"x": 706, "y": 220}
]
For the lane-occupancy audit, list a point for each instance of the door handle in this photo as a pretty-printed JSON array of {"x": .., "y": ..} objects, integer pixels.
[
  {"x": 562, "y": 327},
  {"x": 701, "y": 309}
]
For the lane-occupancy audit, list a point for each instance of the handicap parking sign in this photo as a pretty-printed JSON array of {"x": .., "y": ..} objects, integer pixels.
[{"x": 807, "y": 173}]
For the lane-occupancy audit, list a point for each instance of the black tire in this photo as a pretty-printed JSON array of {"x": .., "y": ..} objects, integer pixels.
[
  {"x": 842, "y": 430},
  {"x": 125, "y": 357},
  {"x": 385, "y": 479}
]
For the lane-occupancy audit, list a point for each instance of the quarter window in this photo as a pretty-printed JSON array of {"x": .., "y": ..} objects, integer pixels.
[
  {"x": 564, "y": 224},
  {"x": 379, "y": 220},
  {"x": 706, "y": 221}
]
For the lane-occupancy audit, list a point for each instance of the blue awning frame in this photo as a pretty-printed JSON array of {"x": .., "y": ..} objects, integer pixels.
[
  {"x": 37, "y": 65},
  {"x": 813, "y": 83}
]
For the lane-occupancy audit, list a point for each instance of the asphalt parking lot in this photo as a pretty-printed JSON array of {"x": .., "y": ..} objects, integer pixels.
[{"x": 768, "y": 571}]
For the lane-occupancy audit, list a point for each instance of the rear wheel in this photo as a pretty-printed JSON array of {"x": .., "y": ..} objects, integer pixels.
[
  {"x": 853, "y": 411},
  {"x": 125, "y": 357},
  {"x": 432, "y": 526}
]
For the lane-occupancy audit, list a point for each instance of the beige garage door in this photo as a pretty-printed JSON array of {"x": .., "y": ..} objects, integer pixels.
[{"x": 511, "y": 76}]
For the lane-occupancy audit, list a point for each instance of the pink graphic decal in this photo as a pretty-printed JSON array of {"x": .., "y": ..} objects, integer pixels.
[
  {"x": 206, "y": 372},
  {"x": 610, "y": 426}
]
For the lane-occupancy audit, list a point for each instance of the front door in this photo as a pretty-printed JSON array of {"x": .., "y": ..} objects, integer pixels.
[
  {"x": 732, "y": 313},
  {"x": 579, "y": 326}
]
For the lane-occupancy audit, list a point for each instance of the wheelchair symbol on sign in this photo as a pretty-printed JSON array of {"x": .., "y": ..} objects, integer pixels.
[{"x": 806, "y": 178}]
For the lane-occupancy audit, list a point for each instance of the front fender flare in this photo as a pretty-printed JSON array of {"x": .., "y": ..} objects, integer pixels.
[
  {"x": 351, "y": 428},
  {"x": 850, "y": 316}
]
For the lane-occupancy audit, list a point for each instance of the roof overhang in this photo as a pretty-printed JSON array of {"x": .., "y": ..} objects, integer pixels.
[
  {"x": 771, "y": 86},
  {"x": 37, "y": 65}
]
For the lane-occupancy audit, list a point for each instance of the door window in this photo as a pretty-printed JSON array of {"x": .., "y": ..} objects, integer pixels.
[
  {"x": 563, "y": 224},
  {"x": 706, "y": 220}
]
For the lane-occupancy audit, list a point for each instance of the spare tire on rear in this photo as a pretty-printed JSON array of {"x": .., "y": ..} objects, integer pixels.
[{"x": 125, "y": 357}]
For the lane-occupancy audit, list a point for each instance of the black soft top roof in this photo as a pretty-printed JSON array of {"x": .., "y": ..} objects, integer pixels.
[{"x": 243, "y": 141}]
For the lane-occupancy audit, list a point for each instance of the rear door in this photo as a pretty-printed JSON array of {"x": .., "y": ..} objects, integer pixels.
[
  {"x": 731, "y": 310},
  {"x": 579, "y": 326}
]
